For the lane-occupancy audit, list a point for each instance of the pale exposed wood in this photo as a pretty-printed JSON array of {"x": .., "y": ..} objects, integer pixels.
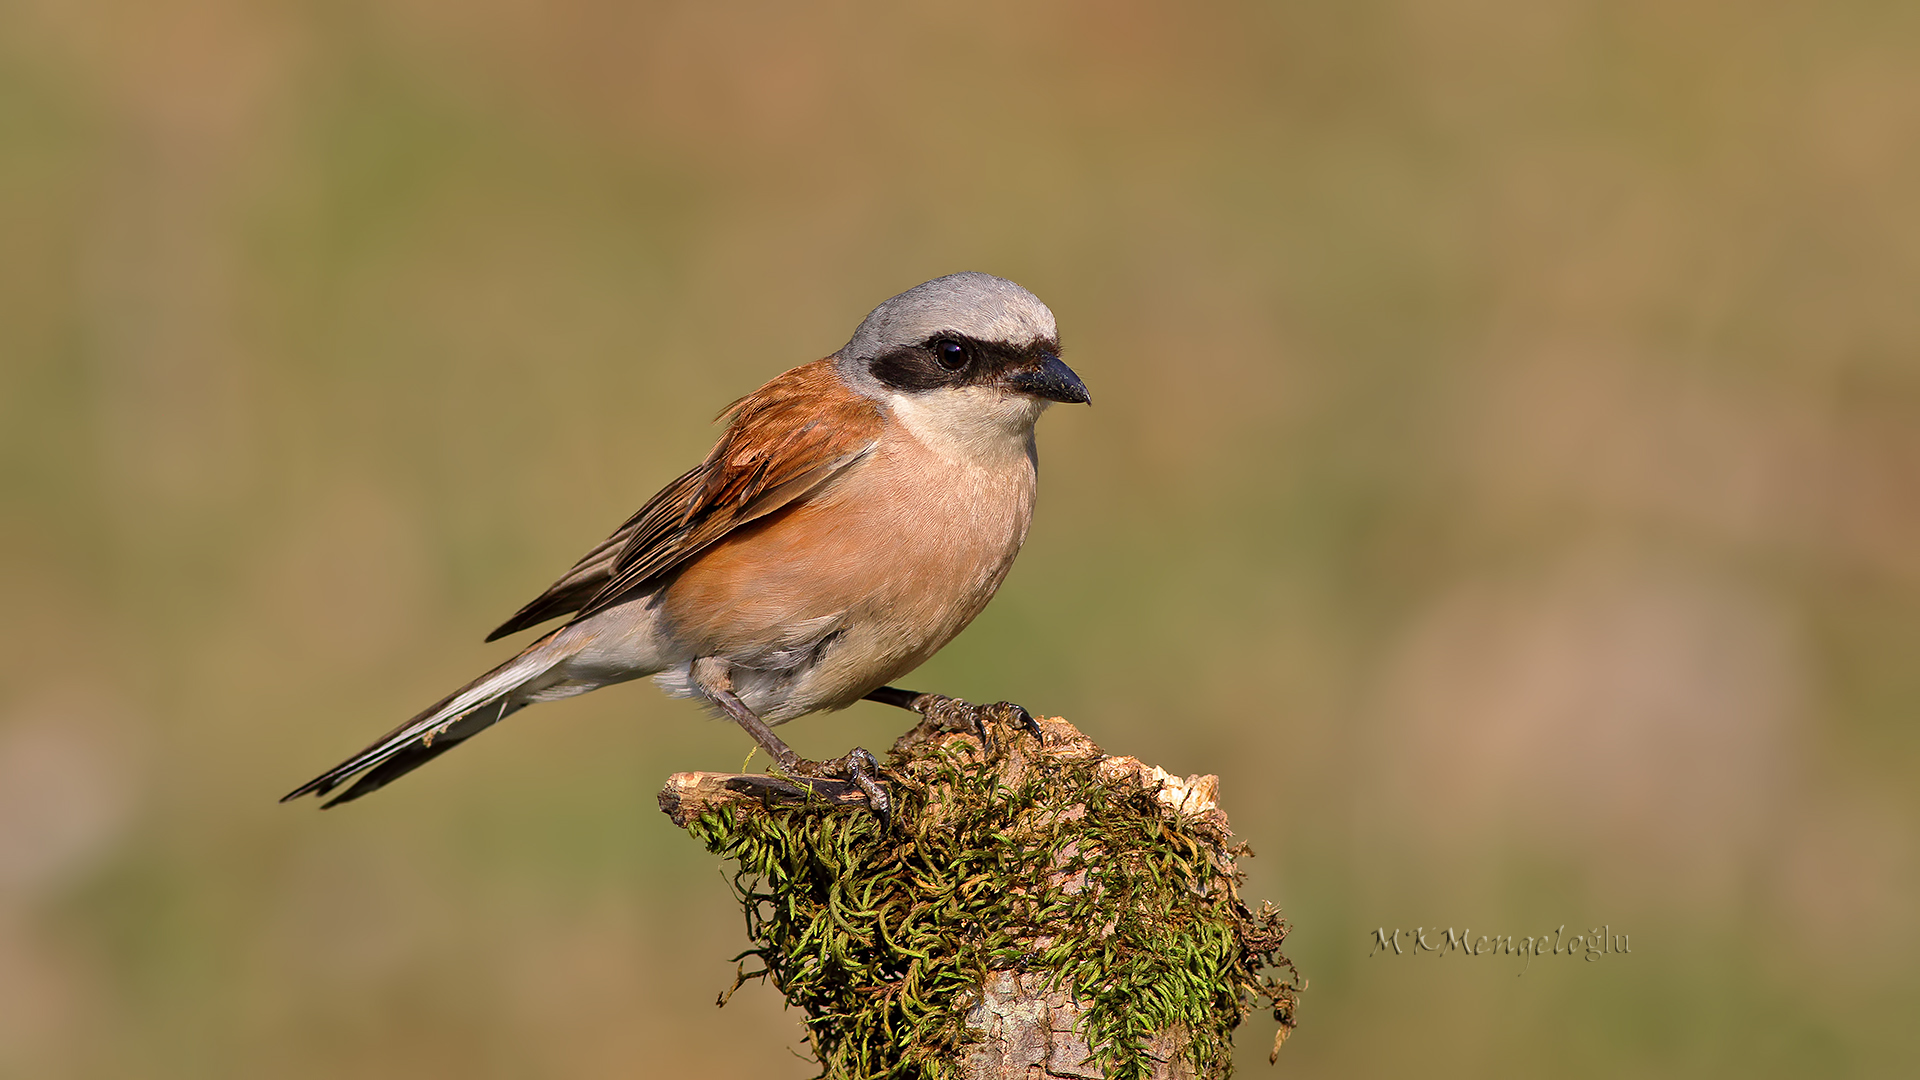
[{"x": 688, "y": 795}]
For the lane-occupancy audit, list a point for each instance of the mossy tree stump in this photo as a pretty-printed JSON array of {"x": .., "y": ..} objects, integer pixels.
[{"x": 1036, "y": 909}]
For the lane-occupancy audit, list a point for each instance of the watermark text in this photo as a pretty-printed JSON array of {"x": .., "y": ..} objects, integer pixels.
[{"x": 1591, "y": 945}]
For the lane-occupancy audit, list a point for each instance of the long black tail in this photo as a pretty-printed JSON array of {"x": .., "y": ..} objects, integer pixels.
[{"x": 450, "y": 721}]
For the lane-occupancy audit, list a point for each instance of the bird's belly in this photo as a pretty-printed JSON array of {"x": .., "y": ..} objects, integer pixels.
[{"x": 818, "y": 604}]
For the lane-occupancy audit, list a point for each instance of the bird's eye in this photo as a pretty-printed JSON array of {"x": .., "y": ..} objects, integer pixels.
[{"x": 951, "y": 354}]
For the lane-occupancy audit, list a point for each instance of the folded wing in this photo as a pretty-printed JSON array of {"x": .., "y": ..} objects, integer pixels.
[{"x": 783, "y": 442}]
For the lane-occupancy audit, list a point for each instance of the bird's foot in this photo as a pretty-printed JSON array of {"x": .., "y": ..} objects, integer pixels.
[
  {"x": 857, "y": 767},
  {"x": 953, "y": 714}
]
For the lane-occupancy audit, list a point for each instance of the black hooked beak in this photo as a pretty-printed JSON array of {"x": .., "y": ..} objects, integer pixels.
[{"x": 1052, "y": 380}]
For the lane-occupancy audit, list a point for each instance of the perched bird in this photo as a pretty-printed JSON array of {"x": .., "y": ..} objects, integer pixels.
[{"x": 855, "y": 515}]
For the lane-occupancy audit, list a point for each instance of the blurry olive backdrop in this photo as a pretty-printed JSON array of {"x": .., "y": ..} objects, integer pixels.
[{"x": 1504, "y": 472}]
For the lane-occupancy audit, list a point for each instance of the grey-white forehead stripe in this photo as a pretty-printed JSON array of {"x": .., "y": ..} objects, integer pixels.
[{"x": 975, "y": 305}]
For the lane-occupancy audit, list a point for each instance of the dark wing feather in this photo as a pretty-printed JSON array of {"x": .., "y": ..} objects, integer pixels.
[
  {"x": 782, "y": 443},
  {"x": 595, "y": 568}
]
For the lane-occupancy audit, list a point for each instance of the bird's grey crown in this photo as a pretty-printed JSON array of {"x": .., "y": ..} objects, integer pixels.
[{"x": 972, "y": 304}]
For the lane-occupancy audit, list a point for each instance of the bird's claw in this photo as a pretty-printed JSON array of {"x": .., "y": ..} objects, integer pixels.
[
  {"x": 953, "y": 714},
  {"x": 858, "y": 767}
]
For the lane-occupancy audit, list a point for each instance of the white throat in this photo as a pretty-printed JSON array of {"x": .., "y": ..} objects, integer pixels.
[{"x": 975, "y": 425}]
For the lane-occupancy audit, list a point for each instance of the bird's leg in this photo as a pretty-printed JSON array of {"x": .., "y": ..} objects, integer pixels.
[
  {"x": 952, "y": 714},
  {"x": 857, "y": 766},
  {"x": 763, "y": 734}
]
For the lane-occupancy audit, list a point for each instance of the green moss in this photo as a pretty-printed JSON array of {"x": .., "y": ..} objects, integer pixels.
[{"x": 884, "y": 938}]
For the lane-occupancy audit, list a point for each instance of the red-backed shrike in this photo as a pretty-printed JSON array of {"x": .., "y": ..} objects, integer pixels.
[{"x": 856, "y": 514}]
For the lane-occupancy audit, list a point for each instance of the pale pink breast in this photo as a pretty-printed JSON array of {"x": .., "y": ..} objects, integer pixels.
[{"x": 904, "y": 549}]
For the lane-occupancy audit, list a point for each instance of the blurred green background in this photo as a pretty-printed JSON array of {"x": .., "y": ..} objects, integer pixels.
[{"x": 1505, "y": 474}]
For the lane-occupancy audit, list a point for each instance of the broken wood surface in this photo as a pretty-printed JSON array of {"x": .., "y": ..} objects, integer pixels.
[{"x": 687, "y": 795}]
